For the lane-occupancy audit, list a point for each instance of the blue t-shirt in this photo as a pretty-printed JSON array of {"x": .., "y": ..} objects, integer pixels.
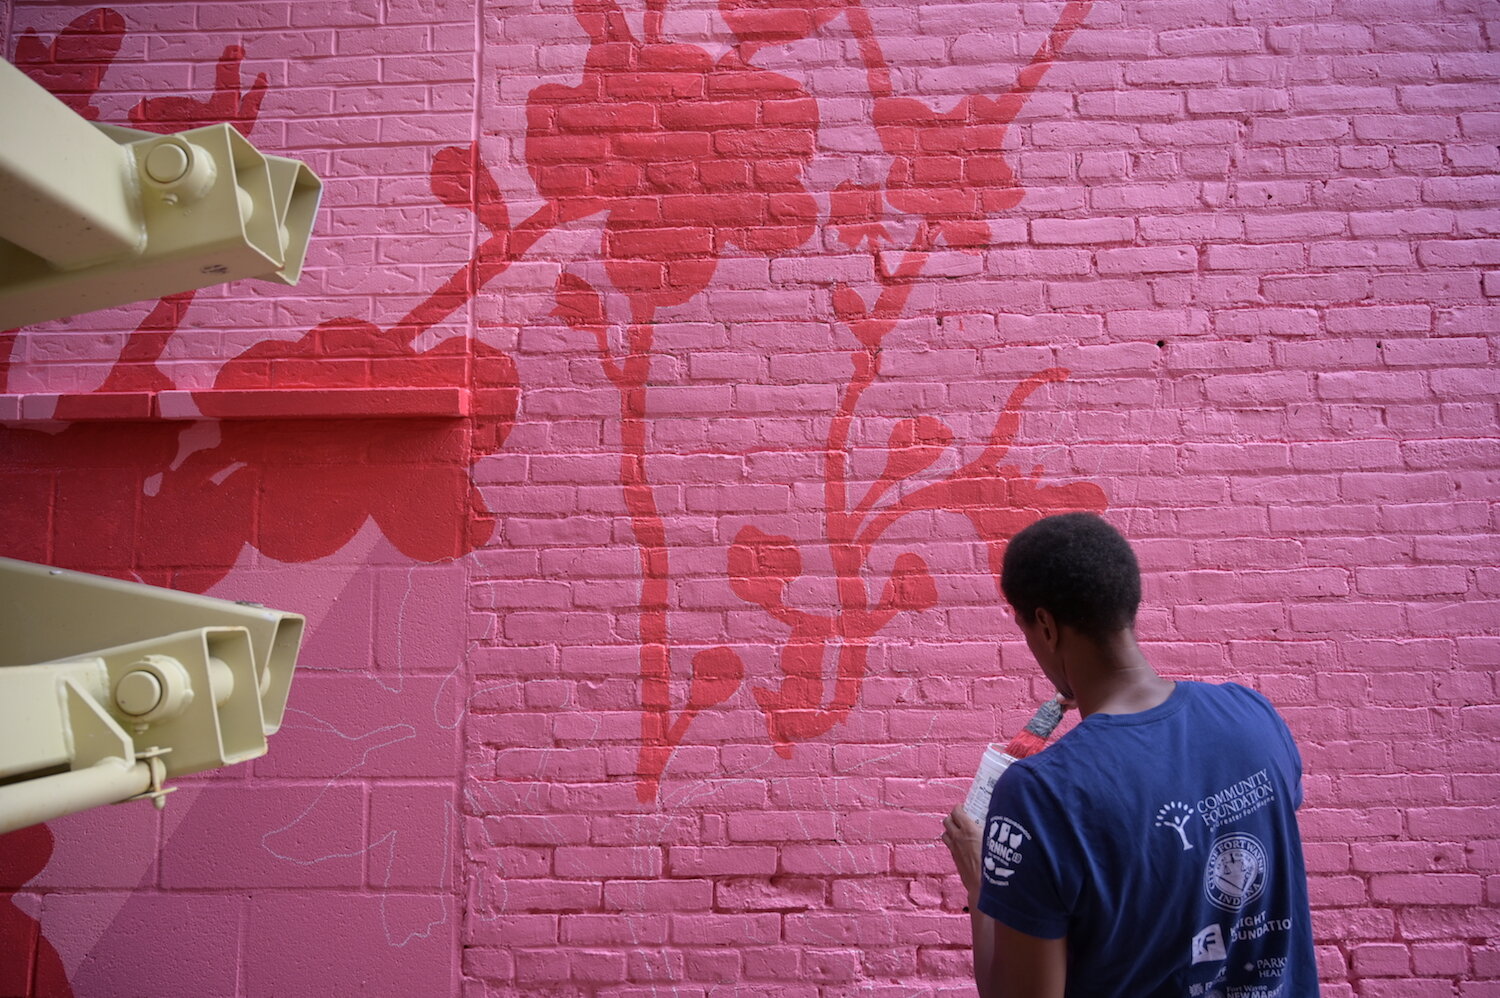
[{"x": 1164, "y": 845}]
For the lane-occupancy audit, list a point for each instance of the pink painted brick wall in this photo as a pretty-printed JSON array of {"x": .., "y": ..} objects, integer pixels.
[{"x": 655, "y": 674}]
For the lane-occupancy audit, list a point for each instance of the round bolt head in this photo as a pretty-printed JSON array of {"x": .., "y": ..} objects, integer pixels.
[
  {"x": 167, "y": 163},
  {"x": 138, "y": 692}
]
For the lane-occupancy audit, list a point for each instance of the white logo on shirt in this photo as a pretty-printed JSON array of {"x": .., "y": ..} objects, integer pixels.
[
  {"x": 1004, "y": 839},
  {"x": 1175, "y": 815},
  {"x": 1235, "y": 873},
  {"x": 1209, "y": 945},
  {"x": 1244, "y": 797}
]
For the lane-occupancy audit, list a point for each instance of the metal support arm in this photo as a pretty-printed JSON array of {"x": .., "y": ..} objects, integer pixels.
[{"x": 97, "y": 216}]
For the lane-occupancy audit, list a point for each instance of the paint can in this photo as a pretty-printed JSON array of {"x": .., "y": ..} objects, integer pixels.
[{"x": 994, "y": 762}]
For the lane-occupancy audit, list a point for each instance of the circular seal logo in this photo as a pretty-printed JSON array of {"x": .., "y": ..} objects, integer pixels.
[
  {"x": 1004, "y": 838},
  {"x": 1236, "y": 871}
]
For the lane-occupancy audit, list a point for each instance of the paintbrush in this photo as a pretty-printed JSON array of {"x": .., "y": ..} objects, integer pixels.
[{"x": 1031, "y": 740}]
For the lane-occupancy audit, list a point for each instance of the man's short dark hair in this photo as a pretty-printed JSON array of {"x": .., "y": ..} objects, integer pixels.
[{"x": 1079, "y": 568}]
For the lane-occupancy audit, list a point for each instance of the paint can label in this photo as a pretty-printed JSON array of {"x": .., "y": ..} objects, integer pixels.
[{"x": 994, "y": 762}]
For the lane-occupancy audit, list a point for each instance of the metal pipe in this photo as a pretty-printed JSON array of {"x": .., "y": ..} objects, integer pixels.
[
  {"x": 68, "y": 189},
  {"x": 109, "y": 781}
]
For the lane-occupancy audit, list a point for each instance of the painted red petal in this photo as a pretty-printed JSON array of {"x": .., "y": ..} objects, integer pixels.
[
  {"x": 72, "y": 66},
  {"x": 910, "y": 586},
  {"x": 762, "y": 565},
  {"x": 578, "y": 304},
  {"x": 914, "y": 445},
  {"x": 717, "y": 674}
]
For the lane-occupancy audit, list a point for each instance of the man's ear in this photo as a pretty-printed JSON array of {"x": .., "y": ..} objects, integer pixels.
[{"x": 1047, "y": 627}]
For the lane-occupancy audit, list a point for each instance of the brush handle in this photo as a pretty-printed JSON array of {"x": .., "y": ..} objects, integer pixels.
[{"x": 1046, "y": 718}]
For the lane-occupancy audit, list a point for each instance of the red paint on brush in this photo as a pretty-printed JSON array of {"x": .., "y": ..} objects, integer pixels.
[{"x": 1033, "y": 737}]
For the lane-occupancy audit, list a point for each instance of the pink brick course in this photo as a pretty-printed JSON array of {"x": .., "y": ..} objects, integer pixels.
[{"x": 569, "y": 717}]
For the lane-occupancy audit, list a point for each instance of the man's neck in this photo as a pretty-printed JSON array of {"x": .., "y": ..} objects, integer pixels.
[{"x": 1114, "y": 677}]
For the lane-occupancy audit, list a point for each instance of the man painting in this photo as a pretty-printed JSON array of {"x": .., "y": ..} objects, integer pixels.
[{"x": 1153, "y": 851}]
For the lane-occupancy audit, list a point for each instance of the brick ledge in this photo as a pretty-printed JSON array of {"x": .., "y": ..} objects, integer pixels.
[{"x": 237, "y": 404}]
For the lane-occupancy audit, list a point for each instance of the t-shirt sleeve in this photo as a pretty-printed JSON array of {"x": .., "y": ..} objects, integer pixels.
[
  {"x": 1025, "y": 840},
  {"x": 1294, "y": 757},
  {"x": 1290, "y": 758}
]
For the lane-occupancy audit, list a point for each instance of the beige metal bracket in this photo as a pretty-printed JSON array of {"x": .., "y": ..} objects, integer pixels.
[
  {"x": 108, "y": 688},
  {"x": 51, "y": 614},
  {"x": 102, "y": 215}
]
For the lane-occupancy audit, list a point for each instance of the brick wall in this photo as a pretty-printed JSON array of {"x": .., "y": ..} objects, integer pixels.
[{"x": 654, "y": 674}]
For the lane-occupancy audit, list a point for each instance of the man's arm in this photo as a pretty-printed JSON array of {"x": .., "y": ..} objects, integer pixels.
[
  {"x": 1011, "y": 964},
  {"x": 1007, "y": 963}
]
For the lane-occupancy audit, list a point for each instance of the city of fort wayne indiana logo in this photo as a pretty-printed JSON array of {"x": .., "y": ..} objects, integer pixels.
[
  {"x": 1004, "y": 838},
  {"x": 1235, "y": 873}
]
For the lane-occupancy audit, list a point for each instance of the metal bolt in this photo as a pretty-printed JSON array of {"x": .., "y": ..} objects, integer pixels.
[
  {"x": 167, "y": 163},
  {"x": 138, "y": 692}
]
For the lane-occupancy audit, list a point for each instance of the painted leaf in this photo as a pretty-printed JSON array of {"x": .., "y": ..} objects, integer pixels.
[
  {"x": 762, "y": 565},
  {"x": 911, "y": 586},
  {"x": 717, "y": 673},
  {"x": 73, "y": 65},
  {"x": 578, "y": 304},
  {"x": 460, "y": 179},
  {"x": 914, "y": 445}
]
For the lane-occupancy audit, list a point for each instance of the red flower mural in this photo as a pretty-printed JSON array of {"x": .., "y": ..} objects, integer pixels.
[
  {"x": 857, "y": 215},
  {"x": 228, "y": 103},
  {"x": 673, "y": 148},
  {"x": 72, "y": 66},
  {"x": 776, "y": 21},
  {"x": 295, "y": 489},
  {"x": 687, "y": 159},
  {"x": 685, "y": 156},
  {"x": 178, "y": 520},
  {"x": 998, "y": 499},
  {"x": 949, "y": 168}
]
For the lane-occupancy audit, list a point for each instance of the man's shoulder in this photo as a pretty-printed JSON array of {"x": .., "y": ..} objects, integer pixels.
[
  {"x": 1223, "y": 713},
  {"x": 1241, "y": 697}
]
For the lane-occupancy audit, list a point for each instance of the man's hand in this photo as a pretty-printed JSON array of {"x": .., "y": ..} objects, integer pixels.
[
  {"x": 1033, "y": 968},
  {"x": 961, "y": 835}
]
